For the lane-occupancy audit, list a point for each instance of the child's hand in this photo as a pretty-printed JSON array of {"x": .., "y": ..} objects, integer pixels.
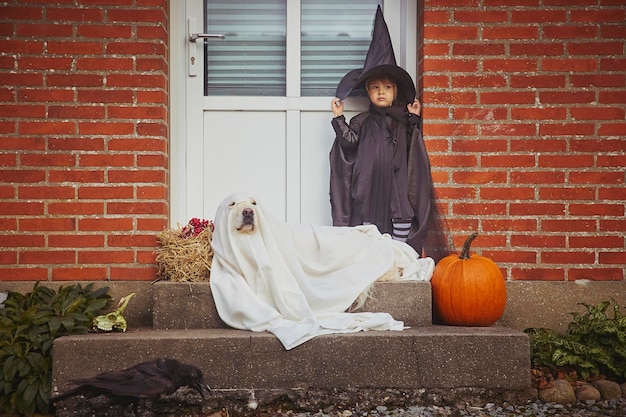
[
  {"x": 415, "y": 107},
  {"x": 337, "y": 107}
]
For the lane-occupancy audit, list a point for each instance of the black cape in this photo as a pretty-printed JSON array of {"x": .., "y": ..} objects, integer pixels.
[{"x": 370, "y": 183}]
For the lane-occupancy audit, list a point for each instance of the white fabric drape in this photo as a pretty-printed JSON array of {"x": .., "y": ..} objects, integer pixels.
[{"x": 297, "y": 280}]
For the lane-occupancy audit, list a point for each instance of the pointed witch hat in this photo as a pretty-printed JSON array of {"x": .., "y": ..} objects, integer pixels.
[{"x": 380, "y": 61}]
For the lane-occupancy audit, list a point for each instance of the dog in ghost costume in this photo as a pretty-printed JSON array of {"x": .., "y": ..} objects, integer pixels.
[{"x": 298, "y": 280}]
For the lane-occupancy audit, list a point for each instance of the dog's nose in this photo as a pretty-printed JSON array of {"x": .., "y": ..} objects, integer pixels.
[{"x": 248, "y": 212}]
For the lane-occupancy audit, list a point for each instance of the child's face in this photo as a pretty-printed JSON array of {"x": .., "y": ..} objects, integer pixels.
[{"x": 382, "y": 91}]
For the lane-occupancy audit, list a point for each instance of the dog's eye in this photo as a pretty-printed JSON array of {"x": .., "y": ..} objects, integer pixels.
[
  {"x": 253, "y": 202},
  {"x": 232, "y": 204}
]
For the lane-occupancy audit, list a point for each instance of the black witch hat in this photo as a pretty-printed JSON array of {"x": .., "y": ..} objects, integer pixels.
[{"x": 380, "y": 61}]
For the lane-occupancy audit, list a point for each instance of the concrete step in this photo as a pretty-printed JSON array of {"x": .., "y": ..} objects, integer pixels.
[
  {"x": 191, "y": 306},
  {"x": 419, "y": 357}
]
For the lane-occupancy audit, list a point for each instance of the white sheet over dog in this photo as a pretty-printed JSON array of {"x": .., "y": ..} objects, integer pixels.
[{"x": 296, "y": 280}]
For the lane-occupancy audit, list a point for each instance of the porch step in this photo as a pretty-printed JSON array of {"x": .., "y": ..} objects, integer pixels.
[
  {"x": 186, "y": 326},
  {"x": 418, "y": 357}
]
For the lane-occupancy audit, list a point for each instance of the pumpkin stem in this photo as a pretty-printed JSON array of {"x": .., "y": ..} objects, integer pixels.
[{"x": 466, "y": 246}]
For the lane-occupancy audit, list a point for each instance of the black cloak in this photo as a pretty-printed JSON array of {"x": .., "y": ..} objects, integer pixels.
[{"x": 370, "y": 183}]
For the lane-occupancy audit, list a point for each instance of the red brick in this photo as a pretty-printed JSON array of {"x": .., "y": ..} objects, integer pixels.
[
  {"x": 48, "y": 160},
  {"x": 135, "y": 48},
  {"x": 133, "y": 240},
  {"x": 454, "y": 65},
  {"x": 510, "y": 161},
  {"x": 22, "y": 208},
  {"x": 480, "y": 49},
  {"x": 611, "y": 129},
  {"x": 518, "y": 225},
  {"x": 76, "y": 144},
  {"x": 600, "y": 80},
  {"x": 25, "y": 274},
  {"x": 479, "y": 113},
  {"x": 607, "y": 258},
  {"x": 537, "y": 209},
  {"x": 47, "y": 257},
  {"x": 45, "y": 192},
  {"x": 152, "y": 97},
  {"x": 538, "y": 81},
  {"x": 46, "y": 95},
  {"x": 502, "y": 129},
  {"x": 150, "y": 224},
  {"x": 478, "y": 81},
  {"x": 566, "y": 97},
  {"x": 505, "y": 97},
  {"x": 76, "y": 208},
  {"x": 126, "y": 15},
  {"x": 23, "y": 176},
  {"x": 538, "y": 145},
  {"x": 137, "y": 112},
  {"x": 74, "y": 47},
  {"x": 146, "y": 257},
  {"x": 75, "y": 80},
  {"x": 436, "y": 49},
  {"x": 596, "y": 274},
  {"x": 44, "y": 30},
  {"x": 537, "y": 177},
  {"x": 8, "y": 160},
  {"x": 104, "y": 64},
  {"x": 136, "y": 208},
  {"x": 22, "y": 79},
  {"x": 105, "y": 192},
  {"x": 507, "y": 193},
  {"x": 566, "y": 161},
  {"x": 105, "y": 96},
  {"x": 137, "y": 80},
  {"x": 7, "y": 127},
  {"x": 537, "y": 49},
  {"x": 106, "y": 257},
  {"x": 600, "y": 16},
  {"x": 565, "y": 257},
  {"x": 107, "y": 160},
  {"x": 611, "y": 193},
  {"x": 570, "y": 32},
  {"x": 537, "y": 241},
  {"x": 456, "y": 129},
  {"x": 71, "y": 175},
  {"x": 596, "y": 241},
  {"x": 79, "y": 274},
  {"x": 479, "y": 177},
  {"x": 151, "y": 32},
  {"x": 451, "y": 32},
  {"x": 596, "y": 209},
  {"x": 19, "y": 46},
  {"x": 611, "y": 160},
  {"x": 539, "y": 113},
  {"x": 104, "y": 31},
  {"x": 569, "y": 65},
  {"x": 602, "y": 178},
  {"x": 538, "y": 16},
  {"x": 47, "y": 128},
  {"x": 138, "y": 144},
  {"x": 612, "y": 97},
  {"x": 24, "y": 111},
  {"x": 105, "y": 224},
  {"x": 509, "y": 65},
  {"x": 566, "y": 129},
  {"x": 152, "y": 192},
  {"x": 564, "y": 194},
  {"x": 151, "y": 160},
  {"x": 8, "y": 258},
  {"x": 80, "y": 14},
  {"x": 20, "y": 12},
  {"x": 106, "y": 128},
  {"x": 22, "y": 240},
  {"x": 75, "y": 241},
  {"x": 568, "y": 226},
  {"x": 510, "y": 32},
  {"x": 47, "y": 63}
]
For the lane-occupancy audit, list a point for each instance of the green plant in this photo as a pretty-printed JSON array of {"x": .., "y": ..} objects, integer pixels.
[
  {"x": 28, "y": 326},
  {"x": 593, "y": 345}
]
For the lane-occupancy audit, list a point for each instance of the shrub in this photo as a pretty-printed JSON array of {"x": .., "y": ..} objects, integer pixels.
[
  {"x": 28, "y": 326},
  {"x": 593, "y": 345}
]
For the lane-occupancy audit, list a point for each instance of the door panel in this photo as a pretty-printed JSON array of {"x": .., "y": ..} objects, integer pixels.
[{"x": 245, "y": 152}]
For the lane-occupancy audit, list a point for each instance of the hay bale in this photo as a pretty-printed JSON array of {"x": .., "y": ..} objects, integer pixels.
[{"x": 184, "y": 258}]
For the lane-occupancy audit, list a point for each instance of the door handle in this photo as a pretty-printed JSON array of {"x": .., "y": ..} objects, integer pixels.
[
  {"x": 195, "y": 36},
  {"x": 192, "y": 62}
]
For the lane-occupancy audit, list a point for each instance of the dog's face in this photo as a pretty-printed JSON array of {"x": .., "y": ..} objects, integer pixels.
[{"x": 244, "y": 214}]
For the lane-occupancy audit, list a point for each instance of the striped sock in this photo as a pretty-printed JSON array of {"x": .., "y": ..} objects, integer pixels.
[{"x": 401, "y": 230}]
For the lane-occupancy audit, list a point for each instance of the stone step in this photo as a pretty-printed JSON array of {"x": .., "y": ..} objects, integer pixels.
[
  {"x": 191, "y": 306},
  {"x": 419, "y": 357}
]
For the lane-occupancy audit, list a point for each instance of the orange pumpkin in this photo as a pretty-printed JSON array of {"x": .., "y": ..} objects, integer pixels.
[{"x": 468, "y": 290}]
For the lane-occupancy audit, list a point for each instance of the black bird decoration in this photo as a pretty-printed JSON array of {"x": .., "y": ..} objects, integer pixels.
[{"x": 144, "y": 380}]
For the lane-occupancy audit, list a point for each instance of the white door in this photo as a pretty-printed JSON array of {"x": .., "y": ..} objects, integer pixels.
[{"x": 251, "y": 112}]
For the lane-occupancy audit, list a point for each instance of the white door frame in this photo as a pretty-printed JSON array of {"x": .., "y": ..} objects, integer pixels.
[{"x": 187, "y": 143}]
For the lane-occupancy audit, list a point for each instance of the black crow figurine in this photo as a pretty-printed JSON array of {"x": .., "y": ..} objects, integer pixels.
[{"x": 144, "y": 380}]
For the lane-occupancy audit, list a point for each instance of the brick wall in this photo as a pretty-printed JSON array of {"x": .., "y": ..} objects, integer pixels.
[
  {"x": 83, "y": 138},
  {"x": 524, "y": 119}
]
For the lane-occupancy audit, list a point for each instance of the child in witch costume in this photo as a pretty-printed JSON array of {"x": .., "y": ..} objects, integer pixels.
[{"x": 380, "y": 171}]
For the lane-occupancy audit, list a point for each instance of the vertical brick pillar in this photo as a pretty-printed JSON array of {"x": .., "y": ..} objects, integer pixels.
[
  {"x": 524, "y": 120},
  {"x": 83, "y": 138}
]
